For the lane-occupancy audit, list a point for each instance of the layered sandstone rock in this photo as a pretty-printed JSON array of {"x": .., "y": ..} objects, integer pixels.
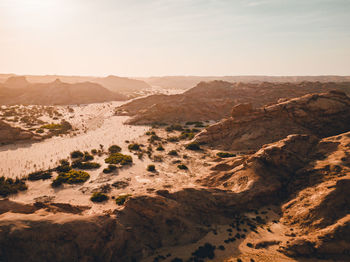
[
  {"x": 214, "y": 100},
  {"x": 322, "y": 115}
]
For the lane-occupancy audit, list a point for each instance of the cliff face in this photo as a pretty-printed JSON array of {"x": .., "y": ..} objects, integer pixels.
[
  {"x": 213, "y": 100},
  {"x": 9, "y": 135},
  {"x": 294, "y": 173},
  {"x": 321, "y": 115}
]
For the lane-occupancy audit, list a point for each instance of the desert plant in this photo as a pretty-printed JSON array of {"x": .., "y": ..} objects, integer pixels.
[
  {"x": 173, "y": 153},
  {"x": 114, "y": 149},
  {"x": 98, "y": 197},
  {"x": 9, "y": 186},
  {"x": 225, "y": 154},
  {"x": 151, "y": 168},
  {"x": 118, "y": 158},
  {"x": 71, "y": 177},
  {"x": 39, "y": 175},
  {"x": 160, "y": 148},
  {"x": 87, "y": 156},
  {"x": 76, "y": 154},
  {"x": 94, "y": 151},
  {"x": 120, "y": 200},
  {"x": 193, "y": 146},
  {"x": 85, "y": 165},
  {"x": 182, "y": 167},
  {"x": 109, "y": 169},
  {"x": 172, "y": 139},
  {"x": 134, "y": 147}
]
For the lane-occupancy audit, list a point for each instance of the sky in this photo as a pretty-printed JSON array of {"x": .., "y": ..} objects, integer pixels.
[{"x": 175, "y": 37}]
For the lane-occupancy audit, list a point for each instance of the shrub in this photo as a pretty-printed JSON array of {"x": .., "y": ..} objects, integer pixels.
[
  {"x": 193, "y": 146},
  {"x": 206, "y": 251},
  {"x": 225, "y": 154},
  {"x": 85, "y": 165},
  {"x": 120, "y": 200},
  {"x": 52, "y": 126},
  {"x": 39, "y": 175},
  {"x": 94, "y": 151},
  {"x": 160, "y": 148},
  {"x": 64, "y": 162},
  {"x": 8, "y": 186},
  {"x": 76, "y": 154},
  {"x": 134, "y": 147},
  {"x": 149, "y": 133},
  {"x": 182, "y": 167},
  {"x": 176, "y": 127},
  {"x": 39, "y": 131},
  {"x": 114, "y": 149},
  {"x": 109, "y": 169},
  {"x": 87, "y": 156},
  {"x": 154, "y": 138},
  {"x": 63, "y": 168},
  {"x": 151, "y": 168},
  {"x": 157, "y": 158},
  {"x": 187, "y": 135},
  {"x": 71, "y": 177},
  {"x": 173, "y": 139},
  {"x": 98, "y": 197},
  {"x": 173, "y": 153},
  {"x": 118, "y": 158}
]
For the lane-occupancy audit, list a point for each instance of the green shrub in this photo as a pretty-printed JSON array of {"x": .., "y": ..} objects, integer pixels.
[
  {"x": 151, "y": 168},
  {"x": 39, "y": 131},
  {"x": 120, "y": 200},
  {"x": 225, "y": 154},
  {"x": 76, "y": 154},
  {"x": 71, "y": 177},
  {"x": 109, "y": 169},
  {"x": 64, "y": 162},
  {"x": 187, "y": 135},
  {"x": 94, "y": 151},
  {"x": 160, "y": 148},
  {"x": 98, "y": 197},
  {"x": 85, "y": 165},
  {"x": 39, "y": 175},
  {"x": 134, "y": 147},
  {"x": 118, "y": 158},
  {"x": 114, "y": 149},
  {"x": 149, "y": 133},
  {"x": 193, "y": 146},
  {"x": 182, "y": 167},
  {"x": 154, "y": 138},
  {"x": 63, "y": 168},
  {"x": 8, "y": 186},
  {"x": 87, "y": 157},
  {"x": 52, "y": 126},
  {"x": 176, "y": 127},
  {"x": 172, "y": 139},
  {"x": 173, "y": 153}
]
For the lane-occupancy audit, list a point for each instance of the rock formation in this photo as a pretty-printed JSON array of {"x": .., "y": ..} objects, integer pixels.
[
  {"x": 294, "y": 173},
  {"x": 214, "y": 100},
  {"x": 322, "y": 115}
]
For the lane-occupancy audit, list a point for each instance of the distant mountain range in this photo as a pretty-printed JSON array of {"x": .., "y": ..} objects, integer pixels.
[
  {"x": 113, "y": 83},
  {"x": 186, "y": 82},
  {"x": 17, "y": 90}
]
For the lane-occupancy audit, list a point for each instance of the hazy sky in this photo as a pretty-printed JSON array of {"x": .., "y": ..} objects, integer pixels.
[{"x": 175, "y": 37}]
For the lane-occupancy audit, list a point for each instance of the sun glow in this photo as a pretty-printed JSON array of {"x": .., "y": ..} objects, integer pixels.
[{"x": 34, "y": 13}]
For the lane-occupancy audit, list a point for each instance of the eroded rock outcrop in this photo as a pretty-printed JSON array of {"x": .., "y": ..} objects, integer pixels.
[
  {"x": 214, "y": 100},
  {"x": 322, "y": 115},
  {"x": 278, "y": 174}
]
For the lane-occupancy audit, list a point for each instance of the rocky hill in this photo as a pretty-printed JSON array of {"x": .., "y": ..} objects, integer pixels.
[
  {"x": 186, "y": 82},
  {"x": 322, "y": 115},
  {"x": 214, "y": 100},
  {"x": 305, "y": 178},
  {"x": 17, "y": 90}
]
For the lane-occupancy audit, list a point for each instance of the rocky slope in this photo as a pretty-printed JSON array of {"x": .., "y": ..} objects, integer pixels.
[
  {"x": 214, "y": 100},
  {"x": 305, "y": 176},
  {"x": 322, "y": 115},
  {"x": 9, "y": 135},
  {"x": 17, "y": 90}
]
